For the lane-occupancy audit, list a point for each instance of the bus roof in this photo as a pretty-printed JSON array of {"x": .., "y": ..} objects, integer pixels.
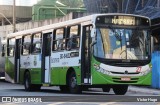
[{"x": 65, "y": 23}]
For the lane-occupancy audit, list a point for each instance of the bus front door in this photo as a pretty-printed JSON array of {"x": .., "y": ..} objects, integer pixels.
[
  {"x": 46, "y": 53},
  {"x": 86, "y": 56},
  {"x": 17, "y": 60}
]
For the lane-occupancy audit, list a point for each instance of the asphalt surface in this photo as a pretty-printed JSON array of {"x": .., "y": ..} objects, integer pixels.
[{"x": 92, "y": 97}]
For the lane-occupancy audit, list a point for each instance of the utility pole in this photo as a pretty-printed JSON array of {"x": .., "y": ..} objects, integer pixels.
[
  {"x": 142, "y": 3},
  {"x": 14, "y": 18}
]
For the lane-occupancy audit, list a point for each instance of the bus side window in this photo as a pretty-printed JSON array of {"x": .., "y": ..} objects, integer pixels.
[
  {"x": 60, "y": 44},
  {"x": 37, "y": 47},
  {"x": 73, "y": 37},
  {"x": 11, "y": 47},
  {"x": 59, "y": 39},
  {"x": 37, "y": 43},
  {"x": 73, "y": 42},
  {"x": 3, "y": 50},
  {"x": 26, "y": 45}
]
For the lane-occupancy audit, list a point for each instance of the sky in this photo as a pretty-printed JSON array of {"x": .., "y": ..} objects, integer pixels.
[{"x": 19, "y": 2}]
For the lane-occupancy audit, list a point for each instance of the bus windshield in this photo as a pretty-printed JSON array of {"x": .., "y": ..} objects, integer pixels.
[{"x": 117, "y": 43}]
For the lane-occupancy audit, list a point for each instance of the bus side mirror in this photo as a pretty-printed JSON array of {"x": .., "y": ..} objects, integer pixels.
[
  {"x": 152, "y": 44},
  {"x": 93, "y": 33}
]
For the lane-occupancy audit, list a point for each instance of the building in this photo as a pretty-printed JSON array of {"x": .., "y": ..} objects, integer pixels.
[
  {"x": 19, "y": 2},
  {"x": 23, "y": 14},
  {"x": 47, "y": 9}
]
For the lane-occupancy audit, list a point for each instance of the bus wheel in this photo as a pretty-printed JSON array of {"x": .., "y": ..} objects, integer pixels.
[
  {"x": 27, "y": 82},
  {"x": 120, "y": 89},
  {"x": 106, "y": 89},
  {"x": 74, "y": 88},
  {"x": 64, "y": 88}
]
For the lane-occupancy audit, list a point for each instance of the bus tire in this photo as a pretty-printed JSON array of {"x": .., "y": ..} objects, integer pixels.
[
  {"x": 73, "y": 87},
  {"x": 27, "y": 82},
  {"x": 106, "y": 89},
  {"x": 120, "y": 89},
  {"x": 64, "y": 88}
]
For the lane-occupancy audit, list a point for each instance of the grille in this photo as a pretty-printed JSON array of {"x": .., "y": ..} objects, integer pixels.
[
  {"x": 125, "y": 73},
  {"x": 118, "y": 80}
]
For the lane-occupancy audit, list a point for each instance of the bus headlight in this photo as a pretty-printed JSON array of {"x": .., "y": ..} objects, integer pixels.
[
  {"x": 96, "y": 67},
  {"x": 106, "y": 72},
  {"x": 101, "y": 70},
  {"x": 145, "y": 72}
]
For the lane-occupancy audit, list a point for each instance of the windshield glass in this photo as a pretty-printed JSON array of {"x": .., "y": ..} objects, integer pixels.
[{"x": 116, "y": 43}]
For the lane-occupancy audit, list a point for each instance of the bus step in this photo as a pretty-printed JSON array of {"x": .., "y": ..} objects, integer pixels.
[{"x": 46, "y": 85}]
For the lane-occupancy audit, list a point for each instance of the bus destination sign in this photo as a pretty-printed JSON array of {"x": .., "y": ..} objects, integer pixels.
[{"x": 122, "y": 20}]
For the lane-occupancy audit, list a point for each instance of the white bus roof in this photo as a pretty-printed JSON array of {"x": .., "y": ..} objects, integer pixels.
[{"x": 65, "y": 23}]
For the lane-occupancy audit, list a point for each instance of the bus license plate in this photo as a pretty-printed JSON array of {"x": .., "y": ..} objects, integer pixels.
[{"x": 125, "y": 79}]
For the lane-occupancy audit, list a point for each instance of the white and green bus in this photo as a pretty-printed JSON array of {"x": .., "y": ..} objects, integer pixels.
[{"x": 101, "y": 51}]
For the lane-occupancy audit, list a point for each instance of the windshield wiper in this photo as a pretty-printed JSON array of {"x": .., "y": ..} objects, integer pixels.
[{"x": 118, "y": 37}]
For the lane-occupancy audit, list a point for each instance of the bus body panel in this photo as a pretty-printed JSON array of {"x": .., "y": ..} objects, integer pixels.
[
  {"x": 2, "y": 67},
  {"x": 58, "y": 75},
  {"x": 9, "y": 69},
  {"x": 106, "y": 74},
  {"x": 33, "y": 64},
  {"x": 59, "y": 62}
]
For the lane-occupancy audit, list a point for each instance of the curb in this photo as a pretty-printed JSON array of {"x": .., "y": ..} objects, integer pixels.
[{"x": 137, "y": 89}]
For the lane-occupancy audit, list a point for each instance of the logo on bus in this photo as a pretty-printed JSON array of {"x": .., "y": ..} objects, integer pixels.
[
  {"x": 69, "y": 55},
  {"x": 138, "y": 69}
]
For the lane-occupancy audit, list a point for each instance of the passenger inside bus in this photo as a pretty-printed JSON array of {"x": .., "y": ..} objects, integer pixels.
[
  {"x": 73, "y": 42},
  {"x": 37, "y": 48},
  {"x": 61, "y": 44}
]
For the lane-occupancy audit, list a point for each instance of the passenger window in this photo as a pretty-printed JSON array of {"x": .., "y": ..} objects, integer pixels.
[
  {"x": 37, "y": 43},
  {"x": 59, "y": 39},
  {"x": 3, "y": 50},
  {"x": 26, "y": 45},
  {"x": 73, "y": 37},
  {"x": 11, "y": 47}
]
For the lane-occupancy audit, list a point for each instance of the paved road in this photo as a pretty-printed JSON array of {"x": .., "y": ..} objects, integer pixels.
[{"x": 9, "y": 89}]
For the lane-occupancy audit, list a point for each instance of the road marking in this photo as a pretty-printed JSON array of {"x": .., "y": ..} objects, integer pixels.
[
  {"x": 57, "y": 103},
  {"x": 108, "y": 103}
]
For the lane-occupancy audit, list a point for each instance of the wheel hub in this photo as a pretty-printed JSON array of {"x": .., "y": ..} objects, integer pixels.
[{"x": 73, "y": 82}]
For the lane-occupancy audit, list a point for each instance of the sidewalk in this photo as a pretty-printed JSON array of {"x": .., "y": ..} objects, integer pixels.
[{"x": 140, "y": 89}]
